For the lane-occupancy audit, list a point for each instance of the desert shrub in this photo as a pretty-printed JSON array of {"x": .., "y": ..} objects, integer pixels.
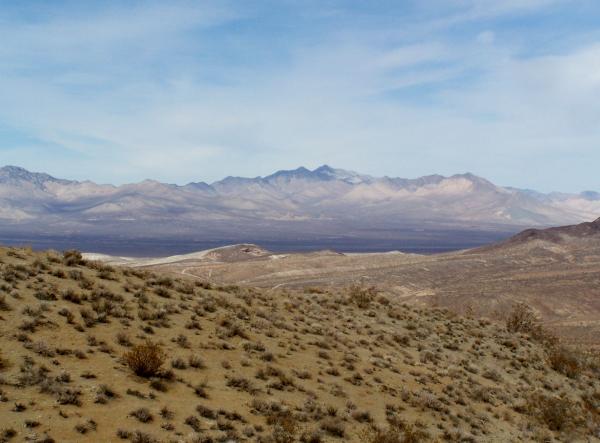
[
  {"x": 182, "y": 341},
  {"x": 105, "y": 272},
  {"x": 361, "y": 296},
  {"x": 194, "y": 423},
  {"x": 159, "y": 385},
  {"x": 557, "y": 413},
  {"x": 72, "y": 257},
  {"x": 231, "y": 328},
  {"x": 521, "y": 319},
  {"x": 166, "y": 413},
  {"x": 105, "y": 393},
  {"x": 165, "y": 281},
  {"x": 76, "y": 274},
  {"x": 64, "y": 312},
  {"x": 4, "y": 364},
  {"x": 64, "y": 396},
  {"x": 81, "y": 428},
  {"x": 200, "y": 389},
  {"x": 4, "y": 306},
  {"x": 362, "y": 416},
  {"x": 45, "y": 295},
  {"x": 88, "y": 317},
  {"x": 162, "y": 292},
  {"x": 333, "y": 426},
  {"x": 135, "y": 393},
  {"x": 179, "y": 363},
  {"x": 43, "y": 349},
  {"x": 123, "y": 339},
  {"x": 567, "y": 361},
  {"x": 206, "y": 412},
  {"x": 19, "y": 407},
  {"x": 141, "y": 437},
  {"x": 71, "y": 295},
  {"x": 32, "y": 423},
  {"x": 59, "y": 273},
  {"x": 123, "y": 434},
  {"x": 142, "y": 414},
  {"x": 7, "y": 434},
  {"x": 146, "y": 359},
  {"x": 241, "y": 384},
  {"x": 285, "y": 427},
  {"x": 397, "y": 432},
  {"x": 196, "y": 362}
]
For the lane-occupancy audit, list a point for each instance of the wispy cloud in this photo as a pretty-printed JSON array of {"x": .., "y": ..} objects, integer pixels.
[{"x": 184, "y": 91}]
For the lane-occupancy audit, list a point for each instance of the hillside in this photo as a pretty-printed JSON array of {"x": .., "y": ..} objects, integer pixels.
[
  {"x": 585, "y": 234},
  {"x": 556, "y": 271},
  {"x": 244, "y": 364},
  {"x": 330, "y": 207}
]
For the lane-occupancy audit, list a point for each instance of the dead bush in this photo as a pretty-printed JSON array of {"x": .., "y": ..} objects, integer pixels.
[
  {"x": 179, "y": 363},
  {"x": 193, "y": 423},
  {"x": 334, "y": 427},
  {"x": 141, "y": 437},
  {"x": 196, "y": 362},
  {"x": 4, "y": 306},
  {"x": 397, "y": 432},
  {"x": 4, "y": 364},
  {"x": 142, "y": 414},
  {"x": 567, "y": 361},
  {"x": 362, "y": 296},
  {"x": 71, "y": 295},
  {"x": 285, "y": 427},
  {"x": 72, "y": 257},
  {"x": 557, "y": 413},
  {"x": 145, "y": 360},
  {"x": 521, "y": 319}
]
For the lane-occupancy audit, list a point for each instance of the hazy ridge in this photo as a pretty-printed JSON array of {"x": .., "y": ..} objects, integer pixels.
[{"x": 323, "y": 205}]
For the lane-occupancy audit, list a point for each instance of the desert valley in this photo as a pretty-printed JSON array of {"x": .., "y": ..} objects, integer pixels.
[
  {"x": 556, "y": 271},
  {"x": 237, "y": 343},
  {"x": 299, "y": 221}
]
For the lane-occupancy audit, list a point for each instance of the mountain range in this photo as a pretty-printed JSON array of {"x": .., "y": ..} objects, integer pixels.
[{"x": 295, "y": 204}]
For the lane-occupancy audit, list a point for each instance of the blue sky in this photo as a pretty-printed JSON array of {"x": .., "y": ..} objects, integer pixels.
[{"x": 188, "y": 91}]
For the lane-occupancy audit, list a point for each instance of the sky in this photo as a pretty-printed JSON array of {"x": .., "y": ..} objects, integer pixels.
[{"x": 184, "y": 91}]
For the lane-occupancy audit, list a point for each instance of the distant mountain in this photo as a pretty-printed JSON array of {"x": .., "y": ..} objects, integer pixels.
[{"x": 299, "y": 203}]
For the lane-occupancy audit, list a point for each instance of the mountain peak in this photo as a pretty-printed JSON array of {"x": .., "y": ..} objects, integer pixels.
[
  {"x": 14, "y": 171},
  {"x": 328, "y": 173},
  {"x": 300, "y": 172},
  {"x": 478, "y": 181},
  {"x": 17, "y": 174},
  {"x": 324, "y": 168}
]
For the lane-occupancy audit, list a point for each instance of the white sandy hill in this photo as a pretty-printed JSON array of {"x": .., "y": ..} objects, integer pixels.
[{"x": 229, "y": 253}]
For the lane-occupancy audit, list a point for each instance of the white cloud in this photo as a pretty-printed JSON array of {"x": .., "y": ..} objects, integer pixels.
[{"x": 348, "y": 100}]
